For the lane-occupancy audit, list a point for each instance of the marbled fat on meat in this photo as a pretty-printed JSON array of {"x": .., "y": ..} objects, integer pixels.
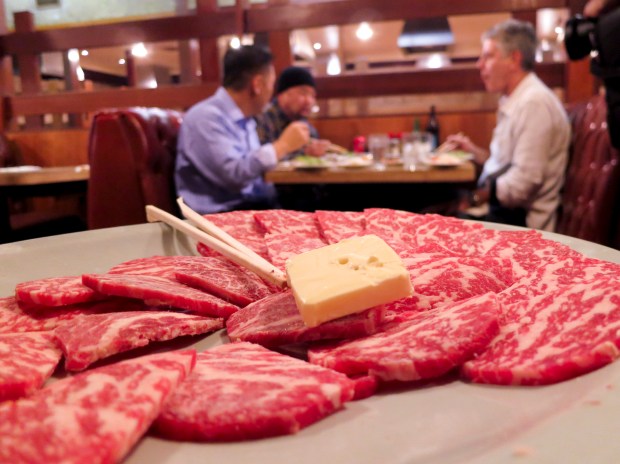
[
  {"x": 225, "y": 280},
  {"x": 87, "y": 339},
  {"x": 338, "y": 225},
  {"x": 242, "y": 226},
  {"x": 55, "y": 291},
  {"x": 159, "y": 291},
  {"x": 283, "y": 221},
  {"x": 424, "y": 345},
  {"x": 159, "y": 266},
  {"x": 27, "y": 360},
  {"x": 94, "y": 417},
  {"x": 242, "y": 391},
  {"x": 275, "y": 321},
  {"x": 15, "y": 319},
  {"x": 282, "y": 246},
  {"x": 559, "y": 323}
]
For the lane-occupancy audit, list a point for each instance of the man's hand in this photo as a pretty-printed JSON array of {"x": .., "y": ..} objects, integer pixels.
[
  {"x": 316, "y": 147},
  {"x": 474, "y": 198},
  {"x": 295, "y": 136},
  {"x": 462, "y": 142}
]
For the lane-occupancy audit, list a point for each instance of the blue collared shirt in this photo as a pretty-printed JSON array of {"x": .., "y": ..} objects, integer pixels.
[{"x": 220, "y": 162}]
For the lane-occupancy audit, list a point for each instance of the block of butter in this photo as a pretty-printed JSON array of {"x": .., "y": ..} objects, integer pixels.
[{"x": 345, "y": 278}]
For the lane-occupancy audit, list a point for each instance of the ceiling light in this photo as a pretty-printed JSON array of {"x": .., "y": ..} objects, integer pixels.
[
  {"x": 316, "y": 46},
  {"x": 121, "y": 61},
  {"x": 333, "y": 65},
  {"x": 139, "y": 50},
  {"x": 84, "y": 52},
  {"x": 73, "y": 55},
  {"x": 235, "y": 42},
  {"x": 434, "y": 61},
  {"x": 364, "y": 31}
]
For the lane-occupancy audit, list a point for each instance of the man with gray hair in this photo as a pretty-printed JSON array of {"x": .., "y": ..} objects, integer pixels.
[{"x": 523, "y": 169}]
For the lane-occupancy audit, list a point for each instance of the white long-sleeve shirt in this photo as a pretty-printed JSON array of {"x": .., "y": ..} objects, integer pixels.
[{"x": 532, "y": 136}]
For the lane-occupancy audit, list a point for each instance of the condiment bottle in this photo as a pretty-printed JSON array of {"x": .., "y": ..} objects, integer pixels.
[{"x": 432, "y": 127}]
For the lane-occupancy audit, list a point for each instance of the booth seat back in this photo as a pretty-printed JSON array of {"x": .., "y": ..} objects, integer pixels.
[
  {"x": 131, "y": 153},
  {"x": 590, "y": 207}
]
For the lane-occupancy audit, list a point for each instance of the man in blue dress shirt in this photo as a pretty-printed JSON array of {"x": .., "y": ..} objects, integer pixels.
[{"x": 220, "y": 161}]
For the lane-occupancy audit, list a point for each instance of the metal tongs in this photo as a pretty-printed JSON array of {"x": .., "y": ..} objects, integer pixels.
[{"x": 217, "y": 239}]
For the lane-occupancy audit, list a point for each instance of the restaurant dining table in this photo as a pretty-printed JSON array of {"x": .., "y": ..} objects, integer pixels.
[
  {"x": 377, "y": 185},
  {"x": 20, "y": 182},
  {"x": 447, "y": 421},
  {"x": 285, "y": 173}
]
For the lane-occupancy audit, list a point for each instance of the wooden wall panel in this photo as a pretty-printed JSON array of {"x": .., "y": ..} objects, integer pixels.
[
  {"x": 66, "y": 147},
  {"x": 477, "y": 125}
]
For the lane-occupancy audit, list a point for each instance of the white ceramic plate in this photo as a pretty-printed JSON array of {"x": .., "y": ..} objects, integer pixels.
[
  {"x": 443, "y": 160},
  {"x": 309, "y": 166},
  {"x": 355, "y": 161},
  {"x": 573, "y": 422}
]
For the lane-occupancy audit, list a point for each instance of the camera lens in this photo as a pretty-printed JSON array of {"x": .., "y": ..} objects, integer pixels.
[{"x": 578, "y": 38}]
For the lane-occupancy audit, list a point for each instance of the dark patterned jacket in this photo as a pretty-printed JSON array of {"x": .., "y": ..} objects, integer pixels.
[{"x": 272, "y": 122}]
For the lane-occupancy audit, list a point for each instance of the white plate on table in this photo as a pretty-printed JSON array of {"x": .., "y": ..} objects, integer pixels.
[
  {"x": 443, "y": 160},
  {"x": 573, "y": 422},
  {"x": 362, "y": 160},
  {"x": 311, "y": 166}
]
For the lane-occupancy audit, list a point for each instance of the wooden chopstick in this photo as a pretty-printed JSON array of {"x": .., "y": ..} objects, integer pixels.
[
  {"x": 207, "y": 226},
  {"x": 445, "y": 147},
  {"x": 270, "y": 272}
]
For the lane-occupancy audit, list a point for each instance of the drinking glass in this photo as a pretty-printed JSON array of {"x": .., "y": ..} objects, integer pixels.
[
  {"x": 416, "y": 148},
  {"x": 378, "y": 145}
]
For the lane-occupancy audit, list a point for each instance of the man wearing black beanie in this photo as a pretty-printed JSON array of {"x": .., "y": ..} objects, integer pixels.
[{"x": 295, "y": 97}]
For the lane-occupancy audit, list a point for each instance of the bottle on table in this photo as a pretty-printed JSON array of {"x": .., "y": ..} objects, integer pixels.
[{"x": 433, "y": 127}]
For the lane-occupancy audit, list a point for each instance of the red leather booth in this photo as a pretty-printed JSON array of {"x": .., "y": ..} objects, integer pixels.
[
  {"x": 590, "y": 207},
  {"x": 131, "y": 154}
]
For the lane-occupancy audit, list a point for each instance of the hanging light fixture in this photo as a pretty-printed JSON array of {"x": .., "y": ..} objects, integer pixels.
[
  {"x": 139, "y": 50},
  {"x": 364, "y": 31},
  {"x": 333, "y": 65}
]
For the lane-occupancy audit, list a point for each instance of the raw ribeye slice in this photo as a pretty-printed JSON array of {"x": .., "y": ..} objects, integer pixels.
[
  {"x": 225, "y": 280},
  {"x": 160, "y": 266},
  {"x": 242, "y": 391},
  {"x": 275, "y": 321},
  {"x": 448, "y": 232},
  {"x": 159, "y": 291},
  {"x": 440, "y": 280},
  {"x": 94, "y": 417},
  {"x": 242, "y": 226},
  {"x": 393, "y": 224},
  {"x": 282, "y": 246},
  {"x": 424, "y": 345},
  {"x": 55, "y": 291},
  {"x": 14, "y": 319},
  {"x": 558, "y": 324},
  {"x": 338, "y": 225},
  {"x": 26, "y": 362},
  {"x": 526, "y": 250},
  {"x": 87, "y": 339},
  {"x": 284, "y": 221}
]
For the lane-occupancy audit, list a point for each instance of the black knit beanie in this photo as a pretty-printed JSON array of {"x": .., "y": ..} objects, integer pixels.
[{"x": 294, "y": 76}]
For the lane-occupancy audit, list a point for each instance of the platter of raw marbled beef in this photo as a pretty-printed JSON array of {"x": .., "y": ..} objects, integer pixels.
[{"x": 135, "y": 344}]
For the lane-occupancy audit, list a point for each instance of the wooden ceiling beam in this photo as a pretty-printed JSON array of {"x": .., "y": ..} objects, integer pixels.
[
  {"x": 264, "y": 18},
  {"x": 457, "y": 79},
  {"x": 109, "y": 35}
]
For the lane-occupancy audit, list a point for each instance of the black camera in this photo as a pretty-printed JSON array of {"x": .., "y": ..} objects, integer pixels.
[{"x": 601, "y": 35}]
